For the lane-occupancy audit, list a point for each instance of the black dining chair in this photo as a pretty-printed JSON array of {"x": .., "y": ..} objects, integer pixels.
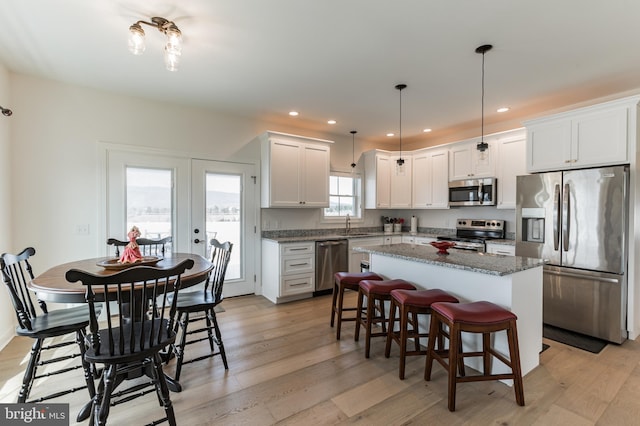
[
  {"x": 48, "y": 329},
  {"x": 130, "y": 346},
  {"x": 148, "y": 247},
  {"x": 204, "y": 303}
]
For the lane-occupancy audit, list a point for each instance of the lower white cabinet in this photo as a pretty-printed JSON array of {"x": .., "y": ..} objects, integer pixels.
[
  {"x": 503, "y": 249},
  {"x": 412, "y": 239},
  {"x": 288, "y": 270},
  {"x": 356, "y": 257}
]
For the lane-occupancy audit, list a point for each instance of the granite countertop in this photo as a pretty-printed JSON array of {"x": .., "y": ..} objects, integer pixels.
[
  {"x": 355, "y": 234},
  {"x": 483, "y": 263},
  {"x": 502, "y": 242}
]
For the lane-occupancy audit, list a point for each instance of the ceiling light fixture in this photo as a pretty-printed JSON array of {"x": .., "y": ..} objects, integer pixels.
[
  {"x": 400, "y": 160},
  {"x": 331, "y": 122},
  {"x": 293, "y": 113},
  {"x": 6, "y": 111},
  {"x": 502, "y": 109},
  {"x": 426, "y": 130},
  {"x": 173, "y": 47},
  {"x": 353, "y": 149},
  {"x": 482, "y": 145}
]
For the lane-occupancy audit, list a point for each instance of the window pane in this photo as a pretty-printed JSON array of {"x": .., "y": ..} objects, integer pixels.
[
  {"x": 149, "y": 201},
  {"x": 333, "y": 184},
  {"x": 223, "y": 195},
  {"x": 345, "y": 186},
  {"x": 334, "y": 206}
]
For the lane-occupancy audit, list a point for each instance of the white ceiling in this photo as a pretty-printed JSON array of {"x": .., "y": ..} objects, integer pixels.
[{"x": 341, "y": 59}]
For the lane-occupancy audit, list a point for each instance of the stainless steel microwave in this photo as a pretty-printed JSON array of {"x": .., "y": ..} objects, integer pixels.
[{"x": 473, "y": 192}]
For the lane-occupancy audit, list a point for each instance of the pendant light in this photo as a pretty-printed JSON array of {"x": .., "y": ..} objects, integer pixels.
[
  {"x": 482, "y": 145},
  {"x": 400, "y": 160},
  {"x": 353, "y": 144}
]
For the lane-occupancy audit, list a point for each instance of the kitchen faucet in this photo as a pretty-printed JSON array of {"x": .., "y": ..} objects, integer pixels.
[{"x": 347, "y": 225}]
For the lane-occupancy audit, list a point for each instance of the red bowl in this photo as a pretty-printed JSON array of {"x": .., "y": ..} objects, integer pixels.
[{"x": 442, "y": 246}]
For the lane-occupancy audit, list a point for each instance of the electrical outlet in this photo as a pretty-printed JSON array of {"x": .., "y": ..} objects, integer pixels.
[{"x": 82, "y": 229}]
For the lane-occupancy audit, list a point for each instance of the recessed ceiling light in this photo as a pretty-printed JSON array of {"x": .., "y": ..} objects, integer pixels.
[
  {"x": 426, "y": 130},
  {"x": 503, "y": 109},
  {"x": 293, "y": 113},
  {"x": 331, "y": 122},
  {"x": 391, "y": 134}
]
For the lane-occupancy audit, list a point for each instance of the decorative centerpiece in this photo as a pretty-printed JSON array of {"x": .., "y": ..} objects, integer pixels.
[
  {"x": 442, "y": 246},
  {"x": 131, "y": 253}
]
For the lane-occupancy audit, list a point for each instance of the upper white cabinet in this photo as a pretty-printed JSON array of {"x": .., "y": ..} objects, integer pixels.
[
  {"x": 295, "y": 171},
  {"x": 591, "y": 136},
  {"x": 511, "y": 162},
  {"x": 386, "y": 184},
  {"x": 466, "y": 162},
  {"x": 430, "y": 179}
]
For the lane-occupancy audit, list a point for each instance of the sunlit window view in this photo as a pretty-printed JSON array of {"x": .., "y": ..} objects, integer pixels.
[
  {"x": 223, "y": 216},
  {"x": 343, "y": 198},
  {"x": 149, "y": 202}
]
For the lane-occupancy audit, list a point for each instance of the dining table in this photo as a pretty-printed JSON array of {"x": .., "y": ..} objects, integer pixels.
[{"x": 52, "y": 286}]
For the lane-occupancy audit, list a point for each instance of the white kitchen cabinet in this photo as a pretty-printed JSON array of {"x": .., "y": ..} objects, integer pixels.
[
  {"x": 503, "y": 249},
  {"x": 511, "y": 162},
  {"x": 391, "y": 239},
  {"x": 295, "y": 171},
  {"x": 466, "y": 162},
  {"x": 356, "y": 257},
  {"x": 413, "y": 239},
  {"x": 288, "y": 270},
  {"x": 386, "y": 184},
  {"x": 587, "y": 137},
  {"x": 430, "y": 189}
]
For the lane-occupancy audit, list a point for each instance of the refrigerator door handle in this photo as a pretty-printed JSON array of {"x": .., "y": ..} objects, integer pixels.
[
  {"x": 565, "y": 218},
  {"x": 556, "y": 217}
]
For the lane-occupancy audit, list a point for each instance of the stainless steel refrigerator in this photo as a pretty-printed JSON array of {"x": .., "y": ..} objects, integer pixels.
[{"x": 578, "y": 221}]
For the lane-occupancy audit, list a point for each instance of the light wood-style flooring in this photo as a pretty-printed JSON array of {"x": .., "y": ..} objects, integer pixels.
[{"x": 286, "y": 367}]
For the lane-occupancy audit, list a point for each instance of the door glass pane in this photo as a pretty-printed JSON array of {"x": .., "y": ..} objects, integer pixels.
[
  {"x": 223, "y": 216},
  {"x": 149, "y": 202}
]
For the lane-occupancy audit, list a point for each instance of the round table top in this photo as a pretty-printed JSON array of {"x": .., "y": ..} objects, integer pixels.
[{"x": 52, "y": 286}]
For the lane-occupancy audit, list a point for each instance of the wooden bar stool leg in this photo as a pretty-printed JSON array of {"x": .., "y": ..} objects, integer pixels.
[
  {"x": 514, "y": 356},
  {"x": 391, "y": 333},
  {"x": 486, "y": 356},
  {"x": 454, "y": 358},
  {"x": 334, "y": 298},
  {"x": 359, "y": 317},
  {"x": 415, "y": 330},
  {"x": 340, "y": 292},
  {"x": 435, "y": 334},
  {"x": 403, "y": 340},
  {"x": 371, "y": 312}
]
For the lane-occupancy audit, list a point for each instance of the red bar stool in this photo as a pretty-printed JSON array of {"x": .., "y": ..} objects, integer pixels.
[
  {"x": 346, "y": 281},
  {"x": 477, "y": 317},
  {"x": 410, "y": 304},
  {"x": 376, "y": 293}
]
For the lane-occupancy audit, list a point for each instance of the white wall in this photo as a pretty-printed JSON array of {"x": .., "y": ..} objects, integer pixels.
[{"x": 7, "y": 316}]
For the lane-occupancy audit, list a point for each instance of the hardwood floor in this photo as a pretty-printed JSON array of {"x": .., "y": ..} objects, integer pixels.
[{"x": 286, "y": 367}]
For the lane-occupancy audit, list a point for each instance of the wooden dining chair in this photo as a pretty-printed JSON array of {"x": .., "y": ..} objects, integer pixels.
[
  {"x": 130, "y": 346},
  {"x": 148, "y": 247},
  {"x": 48, "y": 329},
  {"x": 204, "y": 303}
]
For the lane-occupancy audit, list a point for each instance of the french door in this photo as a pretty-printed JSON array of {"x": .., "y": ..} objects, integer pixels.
[
  {"x": 191, "y": 200},
  {"x": 224, "y": 207}
]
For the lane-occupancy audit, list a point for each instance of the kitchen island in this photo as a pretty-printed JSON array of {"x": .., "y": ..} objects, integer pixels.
[{"x": 512, "y": 282}]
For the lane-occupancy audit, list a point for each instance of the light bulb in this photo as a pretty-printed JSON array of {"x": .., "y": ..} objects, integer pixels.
[
  {"x": 136, "y": 39},
  {"x": 171, "y": 58}
]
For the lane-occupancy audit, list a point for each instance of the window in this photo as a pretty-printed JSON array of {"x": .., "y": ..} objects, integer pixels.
[
  {"x": 344, "y": 196},
  {"x": 149, "y": 201}
]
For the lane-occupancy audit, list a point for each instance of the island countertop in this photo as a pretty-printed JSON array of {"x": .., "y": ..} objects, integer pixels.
[{"x": 484, "y": 263}]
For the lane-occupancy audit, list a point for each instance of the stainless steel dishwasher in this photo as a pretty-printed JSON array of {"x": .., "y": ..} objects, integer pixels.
[{"x": 331, "y": 256}]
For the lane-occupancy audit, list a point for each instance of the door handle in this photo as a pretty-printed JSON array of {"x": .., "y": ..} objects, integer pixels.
[
  {"x": 556, "y": 217},
  {"x": 565, "y": 218},
  {"x": 198, "y": 241}
]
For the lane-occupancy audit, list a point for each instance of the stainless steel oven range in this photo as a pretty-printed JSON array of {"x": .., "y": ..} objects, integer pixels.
[{"x": 471, "y": 234}]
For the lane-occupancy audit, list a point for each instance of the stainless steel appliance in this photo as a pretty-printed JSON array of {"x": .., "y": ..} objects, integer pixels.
[
  {"x": 331, "y": 256},
  {"x": 473, "y": 192},
  {"x": 471, "y": 234},
  {"x": 578, "y": 220}
]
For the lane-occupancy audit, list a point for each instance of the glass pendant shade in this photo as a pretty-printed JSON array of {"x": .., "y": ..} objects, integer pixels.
[
  {"x": 136, "y": 39},
  {"x": 171, "y": 58}
]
